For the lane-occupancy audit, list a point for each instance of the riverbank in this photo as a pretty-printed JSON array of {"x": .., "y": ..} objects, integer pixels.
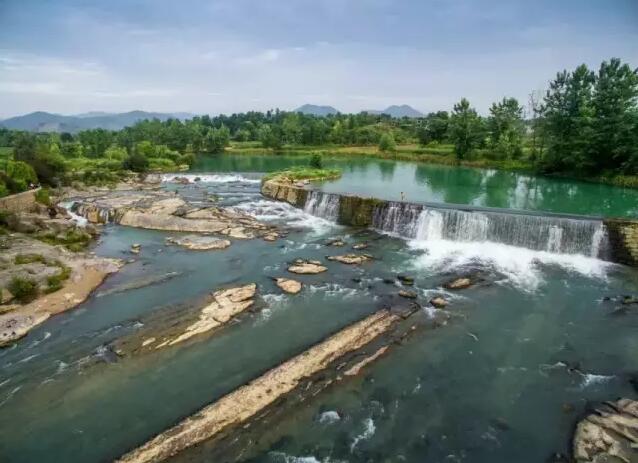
[{"x": 441, "y": 155}]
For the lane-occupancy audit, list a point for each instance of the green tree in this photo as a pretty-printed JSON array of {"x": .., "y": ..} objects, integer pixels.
[
  {"x": 387, "y": 143},
  {"x": 567, "y": 121},
  {"x": 466, "y": 131},
  {"x": 615, "y": 130},
  {"x": 216, "y": 140},
  {"x": 116, "y": 152},
  {"x": 136, "y": 162},
  {"x": 506, "y": 128},
  {"x": 434, "y": 128}
]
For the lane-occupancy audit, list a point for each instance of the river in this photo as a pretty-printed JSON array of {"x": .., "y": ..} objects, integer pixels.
[{"x": 522, "y": 355}]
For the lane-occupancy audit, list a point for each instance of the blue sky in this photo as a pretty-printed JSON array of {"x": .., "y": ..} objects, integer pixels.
[{"x": 215, "y": 56}]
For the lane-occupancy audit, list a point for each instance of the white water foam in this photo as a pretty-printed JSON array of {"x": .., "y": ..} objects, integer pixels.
[
  {"x": 78, "y": 219},
  {"x": 368, "y": 431},
  {"x": 329, "y": 417},
  {"x": 271, "y": 211},
  {"x": 591, "y": 380},
  {"x": 209, "y": 178},
  {"x": 521, "y": 266}
]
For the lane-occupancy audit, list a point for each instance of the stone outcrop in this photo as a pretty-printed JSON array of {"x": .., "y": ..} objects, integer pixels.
[
  {"x": 610, "y": 434},
  {"x": 165, "y": 211},
  {"x": 458, "y": 283},
  {"x": 306, "y": 267},
  {"x": 439, "y": 302},
  {"x": 288, "y": 285},
  {"x": 350, "y": 259},
  {"x": 284, "y": 190},
  {"x": 199, "y": 242},
  {"x": 238, "y": 407},
  {"x": 177, "y": 326},
  {"x": 623, "y": 240}
]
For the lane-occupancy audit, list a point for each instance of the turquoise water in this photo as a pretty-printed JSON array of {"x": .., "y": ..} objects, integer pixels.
[
  {"x": 522, "y": 356},
  {"x": 456, "y": 185}
]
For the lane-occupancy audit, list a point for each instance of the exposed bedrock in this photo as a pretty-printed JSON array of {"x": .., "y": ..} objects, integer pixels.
[{"x": 343, "y": 354}]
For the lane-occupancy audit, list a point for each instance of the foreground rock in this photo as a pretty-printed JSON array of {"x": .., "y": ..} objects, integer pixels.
[
  {"x": 165, "y": 211},
  {"x": 459, "y": 283},
  {"x": 287, "y": 285},
  {"x": 45, "y": 265},
  {"x": 299, "y": 373},
  {"x": 350, "y": 259},
  {"x": 610, "y": 434},
  {"x": 306, "y": 267},
  {"x": 439, "y": 302},
  {"x": 199, "y": 243},
  {"x": 177, "y": 326}
]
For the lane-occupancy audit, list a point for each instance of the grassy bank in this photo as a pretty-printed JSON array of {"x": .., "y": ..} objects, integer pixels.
[{"x": 304, "y": 173}]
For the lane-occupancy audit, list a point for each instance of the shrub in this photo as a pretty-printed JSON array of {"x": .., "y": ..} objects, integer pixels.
[
  {"x": 54, "y": 282},
  {"x": 28, "y": 259},
  {"x": 136, "y": 162},
  {"x": 23, "y": 289},
  {"x": 387, "y": 143},
  {"x": 316, "y": 162},
  {"x": 43, "y": 197}
]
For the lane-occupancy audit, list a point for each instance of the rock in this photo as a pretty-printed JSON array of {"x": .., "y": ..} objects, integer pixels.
[
  {"x": 337, "y": 242},
  {"x": 439, "y": 302},
  {"x": 288, "y": 285},
  {"x": 360, "y": 246},
  {"x": 199, "y": 243},
  {"x": 136, "y": 248},
  {"x": 459, "y": 283},
  {"x": 271, "y": 237},
  {"x": 5, "y": 296},
  {"x": 308, "y": 267},
  {"x": 406, "y": 280},
  {"x": 610, "y": 434},
  {"x": 350, "y": 259},
  {"x": 388, "y": 281},
  {"x": 407, "y": 294}
]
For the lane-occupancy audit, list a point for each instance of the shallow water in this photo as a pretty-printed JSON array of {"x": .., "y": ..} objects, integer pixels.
[{"x": 492, "y": 385}]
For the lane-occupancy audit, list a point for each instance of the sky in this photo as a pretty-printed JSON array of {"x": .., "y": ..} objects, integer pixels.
[{"x": 225, "y": 56}]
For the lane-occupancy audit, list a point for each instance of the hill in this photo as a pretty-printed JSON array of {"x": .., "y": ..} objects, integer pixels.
[
  {"x": 41, "y": 121},
  {"x": 316, "y": 110},
  {"x": 398, "y": 111}
]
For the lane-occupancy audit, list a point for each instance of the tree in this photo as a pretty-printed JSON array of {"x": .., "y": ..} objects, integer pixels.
[
  {"x": 24, "y": 146},
  {"x": 568, "y": 115},
  {"x": 271, "y": 137},
  {"x": 614, "y": 103},
  {"x": 316, "y": 162},
  {"x": 465, "y": 129},
  {"x": 535, "y": 109},
  {"x": 116, "y": 152},
  {"x": 434, "y": 128},
  {"x": 387, "y": 143},
  {"x": 506, "y": 128},
  {"x": 216, "y": 140},
  {"x": 136, "y": 162}
]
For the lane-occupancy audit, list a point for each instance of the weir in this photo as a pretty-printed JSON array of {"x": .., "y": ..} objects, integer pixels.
[{"x": 602, "y": 238}]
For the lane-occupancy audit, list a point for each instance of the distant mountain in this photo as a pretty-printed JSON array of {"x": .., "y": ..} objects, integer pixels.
[
  {"x": 47, "y": 122},
  {"x": 316, "y": 110},
  {"x": 398, "y": 111}
]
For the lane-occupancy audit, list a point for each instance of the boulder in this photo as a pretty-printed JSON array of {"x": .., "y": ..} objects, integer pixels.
[
  {"x": 459, "y": 283},
  {"x": 199, "y": 243},
  {"x": 609, "y": 434},
  {"x": 350, "y": 259},
  {"x": 288, "y": 285},
  {"x": 360, "y": 246},
  {"x": 337, "y": 242},
  {"x": 306, "y": 267},
  {"x": 407, "y": 294},
  {"x": 439, "y": 302},
  {"x": 136, "y": 248},
  {"x": 406, "y": 280}
]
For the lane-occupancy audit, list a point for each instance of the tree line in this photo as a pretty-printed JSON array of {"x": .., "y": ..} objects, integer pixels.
[{"x": 585, "y": 123}]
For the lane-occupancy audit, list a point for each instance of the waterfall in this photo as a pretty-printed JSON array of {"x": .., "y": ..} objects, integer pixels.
[
  {"x": 551, "y": 233},
  {"x": 324, "y": 205}
]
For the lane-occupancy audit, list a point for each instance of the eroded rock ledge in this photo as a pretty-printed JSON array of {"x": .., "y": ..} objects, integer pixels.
[
  {"x": 341, "y": 350},
  {"x": 165, "y": 211}
]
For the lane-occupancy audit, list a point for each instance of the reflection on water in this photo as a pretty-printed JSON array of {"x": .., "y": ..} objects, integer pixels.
[{"x": 457, "y": 185}]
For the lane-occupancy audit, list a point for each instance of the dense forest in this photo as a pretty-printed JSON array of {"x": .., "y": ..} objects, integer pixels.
[{"x": 586, "y": 124}]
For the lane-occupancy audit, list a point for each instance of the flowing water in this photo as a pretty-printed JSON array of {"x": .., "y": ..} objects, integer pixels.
[{"x": 524, "y": 353}]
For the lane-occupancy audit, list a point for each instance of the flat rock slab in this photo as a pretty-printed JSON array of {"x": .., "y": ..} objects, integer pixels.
[
  {"x": 199, "y": 242},
  {"x": 610, "y": 434},
  {"x": 350, "y": 259},
  {"x": 439, "y": 302},
  {"x": 307, "y": 267},
  {"x": 239, "y": 406},
  {"x": 459, "y": 283},
  {"x": 288, "y": 285},
  {"x": 177, "y": 324}
]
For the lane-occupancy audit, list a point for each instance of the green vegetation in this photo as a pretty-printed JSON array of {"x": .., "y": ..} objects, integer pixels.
[
  {"x": 586, "y": 125},
  {"x": 316, "y": 161},
  {"x": 304, "y": 173},
  {"x": 23, "y": 289},
  {"x": 43, "y": 196},
  {"x": 75, "y": 240},
  {"x": 55, "y": 282},
  {"x": 29, "y": 259}
]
